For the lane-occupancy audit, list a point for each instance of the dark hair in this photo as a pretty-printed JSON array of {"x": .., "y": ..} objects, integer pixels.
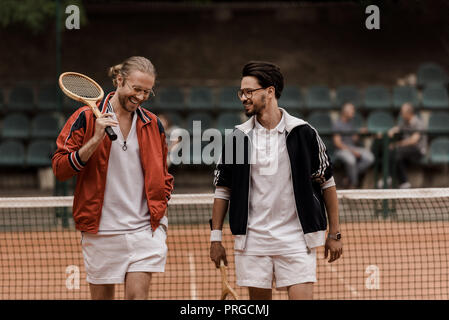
[{"x": 267, "y": 74}]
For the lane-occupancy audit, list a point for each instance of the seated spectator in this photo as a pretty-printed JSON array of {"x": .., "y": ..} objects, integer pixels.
[
  {"x": 411, "y": 146},
  {"x": 355, "y": 158}
]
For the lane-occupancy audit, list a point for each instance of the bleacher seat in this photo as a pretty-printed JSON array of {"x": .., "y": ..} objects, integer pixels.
[
  {"x": 47, "y": 98},
  {"x": 200, "y": 98},
  {"x": 402, "y": 94},
  {"x": 228, "y": 120},
  {"x": 39, "y": 153},
  {"x": 430, "y": 73},
  {"x": 435, "y": 97},
  {"x": 169, "y": 98},
  {"x": 16, "y": 125},
  {"x": 175, "y": 118},
  {"x": 70, "y": 105},
  {"x": 318, "y": 97},
  {"x": 330, "y": 147},
  {"x": 348, "y": 94},
  {"x": 2, "y": 101},
  {"x": 439, "y": 150},
  {"x": 21, "y": 98},
  {"x": 205, "y": 118},
  {"x": 377, "y": 97},
  {"x": 12, "y": 153},
  {"x": 438, "y": 122},
  {"x": 228, "y": 99},
  {"x": 321, "y": 121},
  {"x": 45, "y": 126},
  {"x": 380, "y": 121},
  {"x": 291, "y": 98}
]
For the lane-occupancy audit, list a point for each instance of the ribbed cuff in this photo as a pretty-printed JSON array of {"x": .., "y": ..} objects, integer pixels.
[{"x": 75, "y": 161}]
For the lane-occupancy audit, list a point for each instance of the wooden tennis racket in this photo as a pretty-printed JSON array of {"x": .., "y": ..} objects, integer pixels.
[
  {"x": 81, "y": 88},
  {"x": 227, "y": 293}
]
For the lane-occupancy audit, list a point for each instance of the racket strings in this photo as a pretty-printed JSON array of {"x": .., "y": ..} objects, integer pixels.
[{"x": 81, "y": 86}]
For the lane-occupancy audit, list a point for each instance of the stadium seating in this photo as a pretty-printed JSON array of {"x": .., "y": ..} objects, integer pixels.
[
  {"x": 39, "y": 153},
  {"x": 70, "y": 105},
  {"x": 228, "y": 120},
  {"x": 435, "y": 97},
  {"x": 380, "y": 121},
  {"x": 12, "y": 153},
  {"x": 438, "y": 122},
  {"x": 175, "y": 119},
  {"x": 291, "y": 98},
  {"x": 377, "y": 97},
  {"x": 200, "y": 98},
  {"x": 45, "y": 126},
  {"x": 16, "y": 125},
  {"x": 228, "y": 99},
  {"x": 430, "y": 73},
  {"x": 21, "y": 98},
  {"x": 169, "y": 98},
  {"x": 402, "y": 94},
  {"x": 2, "y": 101},
  {"x": 347, "y": 94},
  {"x": 330, "y": 147},
  {"x": 47, "y": 98},
  {"x": 321, "y": 121},
  {"x": 439, "y": 150},
  {"x": 318, "y": 97}
]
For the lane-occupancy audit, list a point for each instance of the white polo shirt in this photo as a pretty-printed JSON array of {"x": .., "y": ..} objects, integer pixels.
[{"x": 125, "y": 207}]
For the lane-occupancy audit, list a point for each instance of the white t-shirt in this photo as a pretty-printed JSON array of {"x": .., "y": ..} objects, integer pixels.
[{"x": 125, "y": 207}]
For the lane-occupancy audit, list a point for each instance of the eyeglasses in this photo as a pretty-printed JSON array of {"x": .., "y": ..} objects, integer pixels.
[
  {"x": 148, "y": 94},
  {"x": 248, "y": 93}
]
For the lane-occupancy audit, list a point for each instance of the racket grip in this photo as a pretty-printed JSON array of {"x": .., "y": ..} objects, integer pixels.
[{"x": 111, "y": 134}]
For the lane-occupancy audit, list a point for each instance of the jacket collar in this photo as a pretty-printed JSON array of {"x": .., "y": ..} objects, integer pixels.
[
  {"x": 290, "y": 122},
  {"x": 142, "y": 114}
]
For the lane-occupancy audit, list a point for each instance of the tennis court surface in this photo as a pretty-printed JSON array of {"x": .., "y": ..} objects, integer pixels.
[{"x": 395, "y": 247}]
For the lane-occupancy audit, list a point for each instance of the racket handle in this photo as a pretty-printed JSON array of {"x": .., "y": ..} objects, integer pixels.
[{"x": 111, "y": 134}]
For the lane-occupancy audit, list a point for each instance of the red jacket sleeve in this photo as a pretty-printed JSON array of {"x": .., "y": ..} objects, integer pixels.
[
  {"x": 169, "y": 180},
  {"x": 66, "y": 161}
]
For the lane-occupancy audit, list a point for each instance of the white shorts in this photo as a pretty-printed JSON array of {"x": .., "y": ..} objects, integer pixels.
[
  {"x": 289, "y": 269},
  {"x": 108, "y": 258}
]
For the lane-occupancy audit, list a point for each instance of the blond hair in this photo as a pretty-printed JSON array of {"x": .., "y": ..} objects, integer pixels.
[{"x": 131, "y": 64}]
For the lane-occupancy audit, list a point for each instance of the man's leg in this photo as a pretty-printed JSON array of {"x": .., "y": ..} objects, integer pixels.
[
  {"x": 301, "y": 291},
  {"x": 350, "y": 163},
  {"x": 137, "y": 285},
  {"x": 102, "y": 291},
  {"x": 259, "y": 293}
]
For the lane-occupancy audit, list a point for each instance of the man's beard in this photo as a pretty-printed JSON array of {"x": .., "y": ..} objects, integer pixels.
[{"x": 256, "y": 108}]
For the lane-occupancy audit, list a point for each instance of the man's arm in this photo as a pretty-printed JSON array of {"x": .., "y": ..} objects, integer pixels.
[
  {"x": 217, "y": 251},
  {"x": 334, "y": 247}
]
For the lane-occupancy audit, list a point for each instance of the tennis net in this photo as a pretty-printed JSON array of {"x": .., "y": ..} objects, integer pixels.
[{"x": 395, "y": 247}]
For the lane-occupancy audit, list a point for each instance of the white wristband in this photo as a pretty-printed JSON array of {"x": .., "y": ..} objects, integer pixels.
[{"x": 215, "y": 235}]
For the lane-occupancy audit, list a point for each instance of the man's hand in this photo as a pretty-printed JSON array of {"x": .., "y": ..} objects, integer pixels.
[
  {"x": 101, "y": 124},
  {"x": 217, "y": 253},
  {"x": 334, "y": 247}
]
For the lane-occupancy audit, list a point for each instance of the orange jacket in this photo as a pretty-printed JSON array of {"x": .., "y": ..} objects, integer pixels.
[{"x": 91, "y": 176}]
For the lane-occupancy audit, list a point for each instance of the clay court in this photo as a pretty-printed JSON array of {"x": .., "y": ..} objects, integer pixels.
[{"x": 411, "y": 265}]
